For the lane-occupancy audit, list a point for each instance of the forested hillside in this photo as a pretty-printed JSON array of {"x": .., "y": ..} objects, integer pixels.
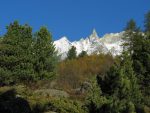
[{"x": 34, "y": 79}]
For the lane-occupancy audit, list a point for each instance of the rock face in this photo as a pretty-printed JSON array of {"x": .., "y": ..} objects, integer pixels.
[
  {"x": 52, "y": 93},
  {"x": 109, "y": 43},
  {"x": 83, "y": 88}
]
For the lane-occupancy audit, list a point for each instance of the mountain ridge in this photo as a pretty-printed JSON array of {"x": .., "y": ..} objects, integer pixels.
[{"x": 93, "y": 44}]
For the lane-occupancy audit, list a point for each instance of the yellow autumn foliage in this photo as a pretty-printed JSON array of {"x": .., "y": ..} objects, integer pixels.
[{"x": 73, "y": 72}]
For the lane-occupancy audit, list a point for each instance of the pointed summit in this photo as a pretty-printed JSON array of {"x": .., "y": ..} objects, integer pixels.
[
  {"x": 94, "y": 35},
  {"x": 94, "y": 31}
]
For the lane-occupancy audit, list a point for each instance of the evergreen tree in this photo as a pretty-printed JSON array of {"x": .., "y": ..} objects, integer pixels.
[
  {"x": 129, "y": 35},
  {"x": 16, "y": 57},
  {"x": 147, "y": 22},
  {"x": 131, "y": 25},
  {"x": 133, "y": 45},
  {"x": 72, "y": 54},
  {"x": 94, "y": 99},
  {"x": 144, "y": 60},
  {"x": 139, "y": 48},
  {"x": 44, "y": 54},
  {"x": 120, "y": 87},
  {"x": 82, "y": 54}
]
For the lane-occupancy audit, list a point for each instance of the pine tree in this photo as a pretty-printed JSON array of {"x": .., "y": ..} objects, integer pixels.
[
  {"x": 131, "y": 25},
  {"x": 120, "y": 87},
  {"x": 147, "y": 22},
  {"x": 129, "y": 35},
  {"x": 144, "y": 54},
  {"x": 45, "y": 55},
  {"x": 16, "y": 57},
  {"x": 133, "y": 44},
  {"x": 94, "y": 99},
  {"x": 139, "y": 47},
  {"x": 82, "y": 54},
  {"x": 72, "y": 54}
]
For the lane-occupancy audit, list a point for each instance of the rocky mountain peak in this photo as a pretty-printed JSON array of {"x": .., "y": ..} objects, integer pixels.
[
  {"x": 93, "y": 44},
  {"x": 94, "y": 35}
]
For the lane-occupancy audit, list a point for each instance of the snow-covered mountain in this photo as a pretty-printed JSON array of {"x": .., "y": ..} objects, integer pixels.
[{"x": 109, "y": 43}]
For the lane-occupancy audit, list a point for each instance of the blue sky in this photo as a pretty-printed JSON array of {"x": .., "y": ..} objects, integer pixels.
[{"x": 73, "y": 18}]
